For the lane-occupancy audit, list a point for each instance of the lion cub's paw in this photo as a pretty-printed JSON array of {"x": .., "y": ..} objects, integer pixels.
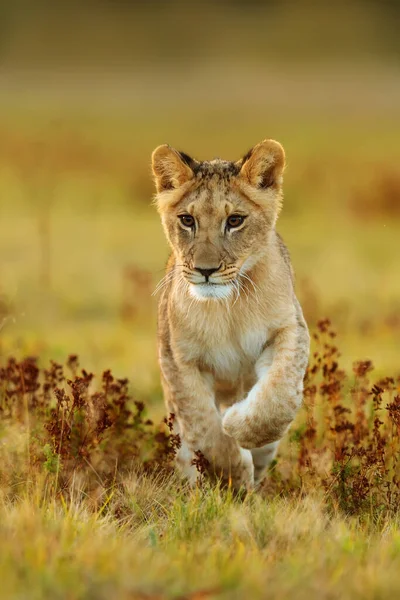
[{"x": 236, "y": 422}]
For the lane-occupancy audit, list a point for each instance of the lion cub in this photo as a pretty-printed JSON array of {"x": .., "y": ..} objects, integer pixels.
[{"x": 233, "y": 342}]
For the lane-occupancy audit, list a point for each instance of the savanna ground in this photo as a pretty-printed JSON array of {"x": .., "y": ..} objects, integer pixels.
[{"x": 89, "y": 504}]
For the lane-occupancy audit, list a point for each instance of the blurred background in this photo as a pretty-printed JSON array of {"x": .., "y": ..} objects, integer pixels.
[{"x": 89, "y": 88}]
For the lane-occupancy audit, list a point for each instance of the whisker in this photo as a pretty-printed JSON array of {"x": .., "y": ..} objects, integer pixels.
[
  {"x": 171, "y": 269},
  {"x": 243, "y": 287},
  {"x": 194, "y": 300},
  {"x": 181, "y": 284},
  {"x": 227, "y": 303},
  {"x": 164, "y": 281},
  {"x": 237, "y": 288},
  {"x": 251, "y": 281},
  {"x": 168, "y": 277},
  {"x": 255, "y": 287}
]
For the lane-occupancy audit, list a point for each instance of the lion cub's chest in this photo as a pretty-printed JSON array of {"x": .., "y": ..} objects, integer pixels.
[{"x": 230, "y": 354}]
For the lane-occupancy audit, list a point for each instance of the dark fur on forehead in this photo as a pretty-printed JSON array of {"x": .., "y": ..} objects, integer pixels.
[{"x": 222, "y": 168}]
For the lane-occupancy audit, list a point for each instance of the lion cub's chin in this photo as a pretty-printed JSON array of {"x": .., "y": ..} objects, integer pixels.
[{"x": 211, "y": 291}]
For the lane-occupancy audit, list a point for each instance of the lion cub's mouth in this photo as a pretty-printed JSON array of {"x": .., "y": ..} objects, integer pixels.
[{"x": 211, "y": 291}]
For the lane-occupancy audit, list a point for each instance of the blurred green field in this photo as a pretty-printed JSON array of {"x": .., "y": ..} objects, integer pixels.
[{"x": 76, "y": 225}]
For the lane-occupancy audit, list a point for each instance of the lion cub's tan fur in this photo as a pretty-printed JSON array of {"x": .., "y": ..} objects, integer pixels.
[{"x": 233, "y": 343}]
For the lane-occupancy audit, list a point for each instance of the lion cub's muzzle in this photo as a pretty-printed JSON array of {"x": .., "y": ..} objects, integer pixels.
[
  {"x": 216, "y": 275},
  {"x": 210, "y": 282},
  {"x": 207, "y": 272}
]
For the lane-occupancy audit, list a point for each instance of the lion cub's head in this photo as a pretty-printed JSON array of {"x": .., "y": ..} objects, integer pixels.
[{"x": 218, "y": 215}]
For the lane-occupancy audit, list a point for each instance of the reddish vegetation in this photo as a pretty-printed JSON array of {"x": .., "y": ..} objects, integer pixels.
[
  {"x": 74, "y": 428},
  {"x": 349, "y": 442},
  {"x": 346, "y": 442}
]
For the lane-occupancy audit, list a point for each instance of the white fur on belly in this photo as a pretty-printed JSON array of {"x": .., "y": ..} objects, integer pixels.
[
  {"x": 252, "y": 342},
  {"x": 228, "y": 358}
]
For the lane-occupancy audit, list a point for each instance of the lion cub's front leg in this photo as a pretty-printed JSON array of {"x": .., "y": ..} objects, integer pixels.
[
  {"x": 264, "y": 416},
  {"x": 189, "y": 393}
]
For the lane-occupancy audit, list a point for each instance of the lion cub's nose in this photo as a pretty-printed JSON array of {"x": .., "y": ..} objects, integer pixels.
[{"x": 207, "y": 272}]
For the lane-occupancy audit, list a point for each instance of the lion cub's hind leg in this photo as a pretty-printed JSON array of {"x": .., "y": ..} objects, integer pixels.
[{"x": 262, "y": 458}]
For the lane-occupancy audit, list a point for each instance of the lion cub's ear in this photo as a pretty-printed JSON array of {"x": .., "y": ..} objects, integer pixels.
[
  {"x": 263, "y": 166},
  {"x": 171, "y": 168}
]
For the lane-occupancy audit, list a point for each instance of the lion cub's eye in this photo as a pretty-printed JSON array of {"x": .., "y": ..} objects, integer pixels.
[
  {"x": 234, "y": 221},
  {"x": 187, "y": 220}
]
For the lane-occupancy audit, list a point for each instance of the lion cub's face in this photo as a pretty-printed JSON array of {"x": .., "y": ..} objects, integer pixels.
[{"x": 217, "y": 215}]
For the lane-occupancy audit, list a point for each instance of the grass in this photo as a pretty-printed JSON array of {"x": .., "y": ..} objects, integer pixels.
[
  {"x": 194, "y": 545},
  {"x": 202, "y": 546},
  {"x": 81, "y": 249}
]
